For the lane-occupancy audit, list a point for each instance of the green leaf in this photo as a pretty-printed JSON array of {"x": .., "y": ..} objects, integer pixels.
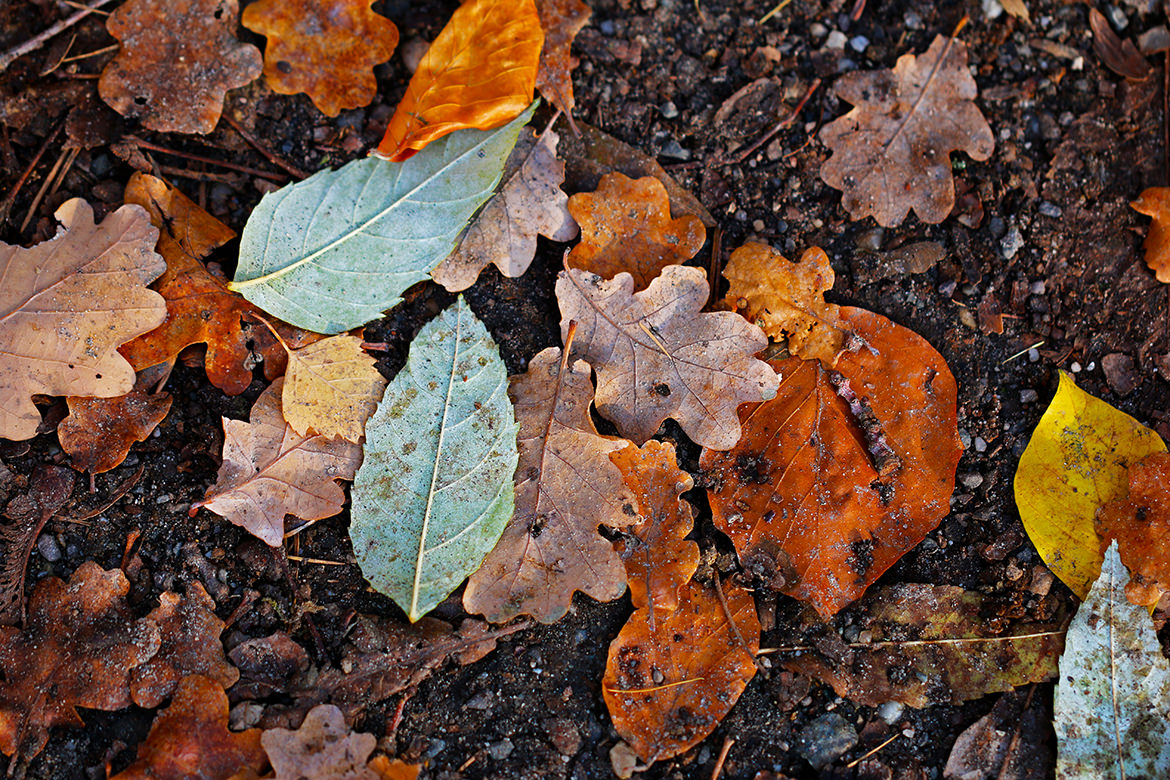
[
  {"x": 1113, "y": 697},
  {"x": 336, "y": 250},
  {"x": 435, "y": 489}
]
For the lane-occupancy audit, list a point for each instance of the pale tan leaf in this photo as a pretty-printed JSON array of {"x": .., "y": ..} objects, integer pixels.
[
  {"x": 323, "y": 748},
  {"x": 331, "y": 388}
]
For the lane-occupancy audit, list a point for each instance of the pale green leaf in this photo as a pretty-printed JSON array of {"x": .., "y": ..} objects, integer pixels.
[
  {"x": 435, "y": 489},
  {"x": 336, "y": 250},
  {"x": 1113, "y": 697}
]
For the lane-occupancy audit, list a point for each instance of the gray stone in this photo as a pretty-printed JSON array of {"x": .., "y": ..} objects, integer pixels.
[{"x": 826, "y": 739}]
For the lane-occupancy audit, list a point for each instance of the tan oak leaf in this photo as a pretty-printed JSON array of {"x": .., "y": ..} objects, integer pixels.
[
  {"x": 323, "y": 748},
  {"x": 331, "y": 388}
]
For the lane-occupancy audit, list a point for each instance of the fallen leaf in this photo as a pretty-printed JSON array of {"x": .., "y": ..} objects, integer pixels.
[
  {"x": 566, "y": 489},
  {"x": 561, "y": 20},
  {"x": 1110, "y": 701},
  {"x": 667, "y": 688},
  {"x": 844, "y": 471},
  {"x": 1077, "y": 460},
  {"x": 1155, "y": 202},
  {"x": 331, "y": 387},
  {"x": 327, "y": 50},
  {"x": 323, "y": 748},
  {"x": 66, "y": 306},
  {"x": 480, "y": 72},
  {"x": 657, "y": 355},
  {"x": 190, "y": 739},
  {"x": 1140, "y": 522},
  {"x": 99, "y": 432},
  {"x": 626, "y": 226},
  {"x": 269, "y": 470},
  {"x": 787, "y": 299},
  {"x": 48, "y": 490},
  {"x": 394, "y": 768},
  {"x": 891, "y": 152},
  {"x": 435, "y": 490},
  {"x": 178, "y": 60},
  {"x": 79, "y": 649},
  {"x": 1121, "y": 57},
  {"x": 505, "y": 230},
  {"x": 1016, "y": 8},
  {"x": 1012, "y": 742},
  {"x": 334, "y": 251},
  {"x": 268, "y": 665}
]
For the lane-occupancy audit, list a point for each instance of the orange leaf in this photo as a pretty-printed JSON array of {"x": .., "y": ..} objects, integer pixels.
[
  {"x": 626, "y": 226},
  {"x": 1155, "y": 202},
  {"x": 561, "y": 21},
  {"x": 823, "y": 493},
  {"x": 1141, "y": 524},
  {"x": 480, "y": 72},
  {"x": 325, "y": 48},
  {"x": 99, "y": 432}
]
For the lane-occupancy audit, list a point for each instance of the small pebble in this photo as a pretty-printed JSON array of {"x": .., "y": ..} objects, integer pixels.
[
  {"x": 912, "y": 20},
  {"x": 675, "y": 151},
  {"x": 980, "y": 444},
  {"x": 1050, "y": 209},
  {"x": 891, "y": 711},
  {"x": 859, "y": 43},
  {"x": 1011, "y": 243},
  {"x": 1028, "y": 396},
  {"x": 1075, "y": 367},
  {"x": 48, "y": 548},
  {"x": 1117, "y": 17},
  {"x": 1037, "y": 288},
  {"x": 826, "y": 739},
  {"x": 668, "y": 110},
  {"x": 1033, "y": 355},
  {"x": 971, "y": 481},
  {"x": 836, "y": 40},
  {"x": 758, "y": 225},
  {"x": 607, "y": 27},
  {"x": 501, "y": 750}
]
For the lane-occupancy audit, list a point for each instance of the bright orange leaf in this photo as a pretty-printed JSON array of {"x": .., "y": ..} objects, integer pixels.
[
  {"x": 1140, "y": 522},
  {"x": 1155, "y": 202},
  {"x": 561, "y": 20}
]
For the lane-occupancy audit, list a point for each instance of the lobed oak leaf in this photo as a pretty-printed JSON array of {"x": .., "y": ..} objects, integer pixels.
[
  {"x": 269, "y": 470},
  {"x": 99, "y": 432},
  {"x": 67, "y": 304},
  {"x": 566, "y": 489},
  {"x": 1155, "y": 202},
  {"x": 323, "y": 748},
  {"x": 48, "y": 490},
  {"x": 561, "y": 20},
  {"x": 178, "y": 60},
  {"x": 657, "y": 356},
  {"x": 1140, "y": 522},
  {"x": 891, "y": 152},
  {"x": 331, "y": 387},
  {"x": 327, "y": 50},
  {"x": 480, "y": 72}
]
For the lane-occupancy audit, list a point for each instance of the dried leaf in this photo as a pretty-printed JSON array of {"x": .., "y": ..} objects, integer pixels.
[
  {"x": 845, "y": 471},
  {"x": 505, "y": 230},
  {"x": 327, "y": 50},
  {"x": 1016, "y": 8},
  {"x": 269, "y": 470},
  {"x": 1012, "y": 742},
  {"x": 891, "y": 153},
  {"x": 99, "y": 432},
  {"x": 787, "y": 299},
  {"x": 566, "y": 489},
  {"x": 1140, "y": 522},
  {"x": 79, "y": 649},
  {"x": 268, "y": 665},
  {"x": 178, "y": 60},
  {"x": 66, "y": 306},
  {"x": 1155, "y": 202},
  {"x": 1121, "y": 57},
  {"x": 323, "y": 748},
  {"x": 561, "y": 21},
  {"x": 480, "y": 72},
  {"x": 48, "y": 490},
  {"x": 657, "y": 356},
  {"x": 394, "y": 769},
  {"x": 667, "y": 688},
  {"x": 626, "y": 226},
  {"x": 331, "y": 388}
]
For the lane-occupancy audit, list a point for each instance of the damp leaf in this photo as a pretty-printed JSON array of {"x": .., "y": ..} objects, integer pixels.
[
  {"x": 1140, "y": 522},
  {"x": 1155, "y": 202},
  {"x": 99, "y": 432},
  {"x": 331, "y": 388},
  {"x": 561, "y": 20},
  {"x": 323, "y": 748}
]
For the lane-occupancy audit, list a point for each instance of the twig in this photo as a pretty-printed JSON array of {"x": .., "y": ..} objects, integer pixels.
[
  {"x": 144, "y": 144},
  {"x": 187, "y": 173},
  {"x": 718, "y": 770},
  {"x": 10, "y": 198},
  {"x": 858, "y": 760},
  {"x": 775, "y": 10},
  {"x": 322, "y": 561},
  {"x": 775, "y": 129},
  {"x": 39, "y": 40},
  {"x": 916, "y": 642},
  {"x": 44, "y": 188},
  {"x": 734, "y": 628},
  {"x": 656, "y": 688},
  {"x": 1015, "y": 741},
  {"x": 86, "y": 56},
  {"x": 272, "y": 157}
]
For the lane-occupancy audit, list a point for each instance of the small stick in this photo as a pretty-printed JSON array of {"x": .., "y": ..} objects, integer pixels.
[
  {"x": 718, "y": 770},
  {"x": 68, "y": 49},
  {"x": 39, "y": 40},
  {"x": 44, "y": 188},
  {"x": 857, "y": 761},
  {"x": 86, "y": 56},
  {"x": 716, "y": 265},
  {"x": 302, "y": 559},
  {"x": 10, "y": 198},
  {"x": 775, "y": 129},
  {"x": 272, "y": 157},
  {"x": 144, "y": 144},
  {"x": 200, "y": 176},
  {"x": 656, "y": 688},
  {"x": 734, "y": 628},
  {"x": 777, "y": 9}
]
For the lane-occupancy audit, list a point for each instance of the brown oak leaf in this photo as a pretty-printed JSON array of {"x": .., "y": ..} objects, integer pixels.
[
  {"x": 566, "y": 489},
  {"x": 48, "y": 490},
  {"x": 1155, "y": 202},
  {"x": 323, "y": 748},
  {"x": 269, "y": 470},
  {"x": 79, "y": 649},
  {"x": 657, "y": 356},
  {"x": 1140, "y": 522},
  {"x": 327, "y": 50},
  {"x": 178, "y": 60},
  {"x": 626, "y": 226},
  {"x": 892, "y": 151},
  {"x": 331, "y": 387},
  {"x": 561, "y": 21},
  {"x": 67, "y": 304},
  {"x": 99, "y": 432},
  {"x": 1120, "y": 56}
]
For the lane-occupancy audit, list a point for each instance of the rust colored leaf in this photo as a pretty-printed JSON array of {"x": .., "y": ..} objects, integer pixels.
[
  {"x": 269, "y": 470},
  {"x": 190, "y": 739},
  {"x": 99, "y": 432},
  {"x": 669, "y": 687},
  {"x": 561, "y": 21},
  {"x": 49, "y": 489},
  {"x": 1121, "y": 57},
  {"x": 67, "y": 304},
  {"x": 178, "y": 60},
  {"x": 787, "y": 299},
  {"x": 1155, "y": 202},
  {"x": 327, "y": 50},
  {"x": 566, "y": 489},
  {"x": 844, "y": 471},
  {"x": 657, "y": 356},
  {"x": 323, "y": 748},
  {"x": 626, "y": 226},
  {"x": 394, "y": 769},
  {"x": 331, "y": 388},
  {"x": 79, "y": 649},
  {"x": 892, "y": 152},
  {"x": 1140, "y": 522},
  {"x": 480, "y": 72}
]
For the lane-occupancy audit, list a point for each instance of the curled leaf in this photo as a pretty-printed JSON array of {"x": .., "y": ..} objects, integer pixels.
[{"x": 561, "y": 21}]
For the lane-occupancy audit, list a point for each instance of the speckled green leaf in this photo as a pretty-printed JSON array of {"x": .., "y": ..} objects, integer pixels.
[
  {"x": 336, "y": 250},
  {"x": 435, "y": 489},
  {"x": 1113, "y": 698}
]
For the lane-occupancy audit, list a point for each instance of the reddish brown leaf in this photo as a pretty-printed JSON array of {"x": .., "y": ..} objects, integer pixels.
[
  {"x": 48, "y": 490},
  {"x": 1155, "y": 202},
  {"x": 843, "y": 472},
  {"x": 1140, "y": 522},
  {"x": 1121, "y": 57},
  {"x": 561, "y": 21},
  {"x": 99, "y": 432},
  {"x": 323, "y": 748}
]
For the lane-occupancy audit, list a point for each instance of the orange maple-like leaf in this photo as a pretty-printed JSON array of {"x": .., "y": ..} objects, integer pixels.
[
  {"x": 1155, "y": 202},
  {"x": 561, "y": 21},
  {"x": 99, "y": 432},
  {"x": 325, "y": 49},
  {"x": 1140, "y": 522},
  {"x": 479, "y": 72}
]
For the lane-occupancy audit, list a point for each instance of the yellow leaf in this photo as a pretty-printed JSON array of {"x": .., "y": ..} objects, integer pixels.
[
  {"x": 1077, "y": 460},
  {"x": 331, "y": 388}
]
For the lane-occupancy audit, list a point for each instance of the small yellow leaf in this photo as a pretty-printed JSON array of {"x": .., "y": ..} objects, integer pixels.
[
  {"x": 331, "y": 388},
  {"x": 1077, "y": 460}
]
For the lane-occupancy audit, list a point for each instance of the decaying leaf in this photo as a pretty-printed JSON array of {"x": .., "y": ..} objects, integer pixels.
[
  {"x": 787, "y": 299},
  {"x": 667, "y": 688},
  {"x": 327, "y": 50},
  {"x": 1111, "y": 700},
  {"x": 269, "y": 470},
  {"x": 1077, "y": 460},
  {"x": 626, "y": 226},
  {"x": 892, "y": 152},
  {"x": 48, "y": 490},
  {"x": 99, "y": 432},
  {"x": 657, "y": 356},
  {"x": 561, "y": 21},
  {"x": 566, "y": 489},
  {"x": 184, "y": 229},
  {"x": 1012, "y": 742},
  {"x": 79, "y": 649},
  {"x": 530, "y": 202},
  {"x": 1155, "y": 202},
  {"x": 844, "y": 471},
  {"x": 480, "y": 72},
  {"x": 67, "y": 304},
  {"x": 1121, "y": 57},
  {"x": 331, "y": 387},
  {"x": 1140, "y": 522},
  {"x": 323, "y": 748},
  {"x": 178, "y": 60}
]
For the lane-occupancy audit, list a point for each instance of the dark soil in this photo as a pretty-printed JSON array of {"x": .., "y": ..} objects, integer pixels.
[{"x": 1046, "y": 238}]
